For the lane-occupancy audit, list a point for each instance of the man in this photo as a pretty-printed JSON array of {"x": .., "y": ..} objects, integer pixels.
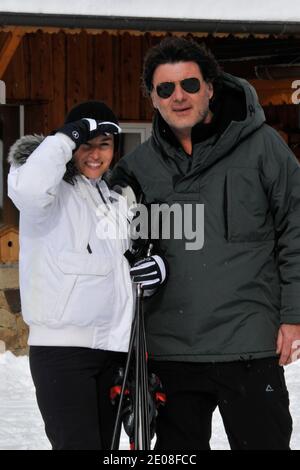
[{"x": 228, "y": 319}]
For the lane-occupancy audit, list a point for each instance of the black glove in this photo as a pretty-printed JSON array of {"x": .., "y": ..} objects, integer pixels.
[
  {"x": 86, "y": 129},
  {"x": 149, "y": 272}
]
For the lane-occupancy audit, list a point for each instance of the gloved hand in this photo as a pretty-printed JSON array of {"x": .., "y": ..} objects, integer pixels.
[
  {"x": 150, "y": 272},
  {"x": 86, "y": 129}
]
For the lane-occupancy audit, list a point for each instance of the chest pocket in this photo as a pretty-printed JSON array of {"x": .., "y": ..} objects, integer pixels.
[
  {"x": 247, "y": 212},
  {"x": 84, "y": 264}
]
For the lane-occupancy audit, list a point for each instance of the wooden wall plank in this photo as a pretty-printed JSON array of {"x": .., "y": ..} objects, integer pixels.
[
  {"x": 41, "y": 69},
  {"x": 90, "y": 71},
  {"x": 129, "y": 78},
  {"x": 116, "y": 81},
  {"x": 58, "y": 104},
  {"x": 104, "y": 72},
  {"x": 146, "y": 108},
  {"x": 38, "y": 119},
  {"x": 77, "y": 65}
]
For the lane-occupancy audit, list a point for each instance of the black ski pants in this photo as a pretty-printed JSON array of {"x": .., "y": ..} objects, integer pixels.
[
  {"x": 72, "y": 388},
  {"x": 251, "y": 395}
]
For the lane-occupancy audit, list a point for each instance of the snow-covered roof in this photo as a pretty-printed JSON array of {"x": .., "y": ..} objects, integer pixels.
[{"x": 222, "y": 10}]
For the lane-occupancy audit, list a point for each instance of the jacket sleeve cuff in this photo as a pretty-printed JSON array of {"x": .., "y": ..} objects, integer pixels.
[{"x": 290, "y": 319}]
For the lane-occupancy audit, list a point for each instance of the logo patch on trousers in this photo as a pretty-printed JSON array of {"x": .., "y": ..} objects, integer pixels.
[{"x": 269, "y": 389}]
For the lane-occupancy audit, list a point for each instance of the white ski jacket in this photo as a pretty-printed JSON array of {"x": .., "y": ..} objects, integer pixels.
[{"x": 74, "y": 280}]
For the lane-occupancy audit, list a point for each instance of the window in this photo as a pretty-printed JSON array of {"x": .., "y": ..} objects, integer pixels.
[{"x": 133, "y": 134}]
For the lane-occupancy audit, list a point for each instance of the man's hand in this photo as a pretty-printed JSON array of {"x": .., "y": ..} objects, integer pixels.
[{"x": 288, "y": 342}]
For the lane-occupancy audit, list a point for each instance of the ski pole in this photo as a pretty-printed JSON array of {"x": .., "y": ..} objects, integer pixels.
[{"x": 142, "y": 439}]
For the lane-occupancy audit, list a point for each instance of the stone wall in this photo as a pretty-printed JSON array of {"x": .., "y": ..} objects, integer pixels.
[{"x": 13, "y": 331}]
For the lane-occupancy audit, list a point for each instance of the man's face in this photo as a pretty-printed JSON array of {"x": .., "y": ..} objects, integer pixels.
[
  {"x": 182, "y": 110},
  {"x": 93, "y": 158}
]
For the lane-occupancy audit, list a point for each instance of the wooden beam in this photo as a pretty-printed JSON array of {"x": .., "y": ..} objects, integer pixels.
[{"x": 9, "y": 47}]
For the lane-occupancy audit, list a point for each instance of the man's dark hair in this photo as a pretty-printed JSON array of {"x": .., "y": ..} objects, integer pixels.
[{"x": 175, "y": 49}]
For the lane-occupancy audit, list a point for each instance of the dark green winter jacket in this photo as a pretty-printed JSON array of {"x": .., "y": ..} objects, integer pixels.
[{"x": 225, "y": 301}]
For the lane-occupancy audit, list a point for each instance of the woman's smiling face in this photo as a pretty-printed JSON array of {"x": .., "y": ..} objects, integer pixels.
[{"x": 93, "y": 158}]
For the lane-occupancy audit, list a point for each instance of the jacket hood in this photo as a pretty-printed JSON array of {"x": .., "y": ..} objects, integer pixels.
[
  {"x": 240, "y": 114},
  {"x": 23, "y": 148},
  {"x": 253, "y": 114}
]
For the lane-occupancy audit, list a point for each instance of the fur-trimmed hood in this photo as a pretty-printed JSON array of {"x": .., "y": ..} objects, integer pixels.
[{"x": 23, "y": 148}]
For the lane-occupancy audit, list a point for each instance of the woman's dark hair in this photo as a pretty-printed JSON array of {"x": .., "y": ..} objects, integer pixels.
[
  {"x": 175, "y": 49},
  {"x": 71, "y": 172}
]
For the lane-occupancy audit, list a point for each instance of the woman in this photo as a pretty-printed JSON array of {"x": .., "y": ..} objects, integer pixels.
[{"x": 74, "y": 280}]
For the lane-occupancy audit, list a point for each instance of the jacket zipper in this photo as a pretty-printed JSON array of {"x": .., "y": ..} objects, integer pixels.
[{"x": 102, "y": 197}]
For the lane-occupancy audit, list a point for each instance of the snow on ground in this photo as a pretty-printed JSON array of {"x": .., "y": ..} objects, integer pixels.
[{"x": 22, "y": 428}]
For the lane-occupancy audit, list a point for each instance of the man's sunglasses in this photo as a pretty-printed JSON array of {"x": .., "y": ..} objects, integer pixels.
[{"x": 166, "y": 89}]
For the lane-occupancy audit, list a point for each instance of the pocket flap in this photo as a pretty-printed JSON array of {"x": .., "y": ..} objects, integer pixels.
[{"x": 72, "y": 262}]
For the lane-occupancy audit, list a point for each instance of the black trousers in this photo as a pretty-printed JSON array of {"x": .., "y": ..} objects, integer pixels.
[
  {"x": 251, "y": 395},
  {"x": 72, "y": 388}
]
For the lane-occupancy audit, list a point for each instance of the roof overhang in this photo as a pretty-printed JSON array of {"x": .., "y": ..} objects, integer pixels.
[
  {"x": 213, "y": 16},
  {"x": 149, "y": 24}
]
